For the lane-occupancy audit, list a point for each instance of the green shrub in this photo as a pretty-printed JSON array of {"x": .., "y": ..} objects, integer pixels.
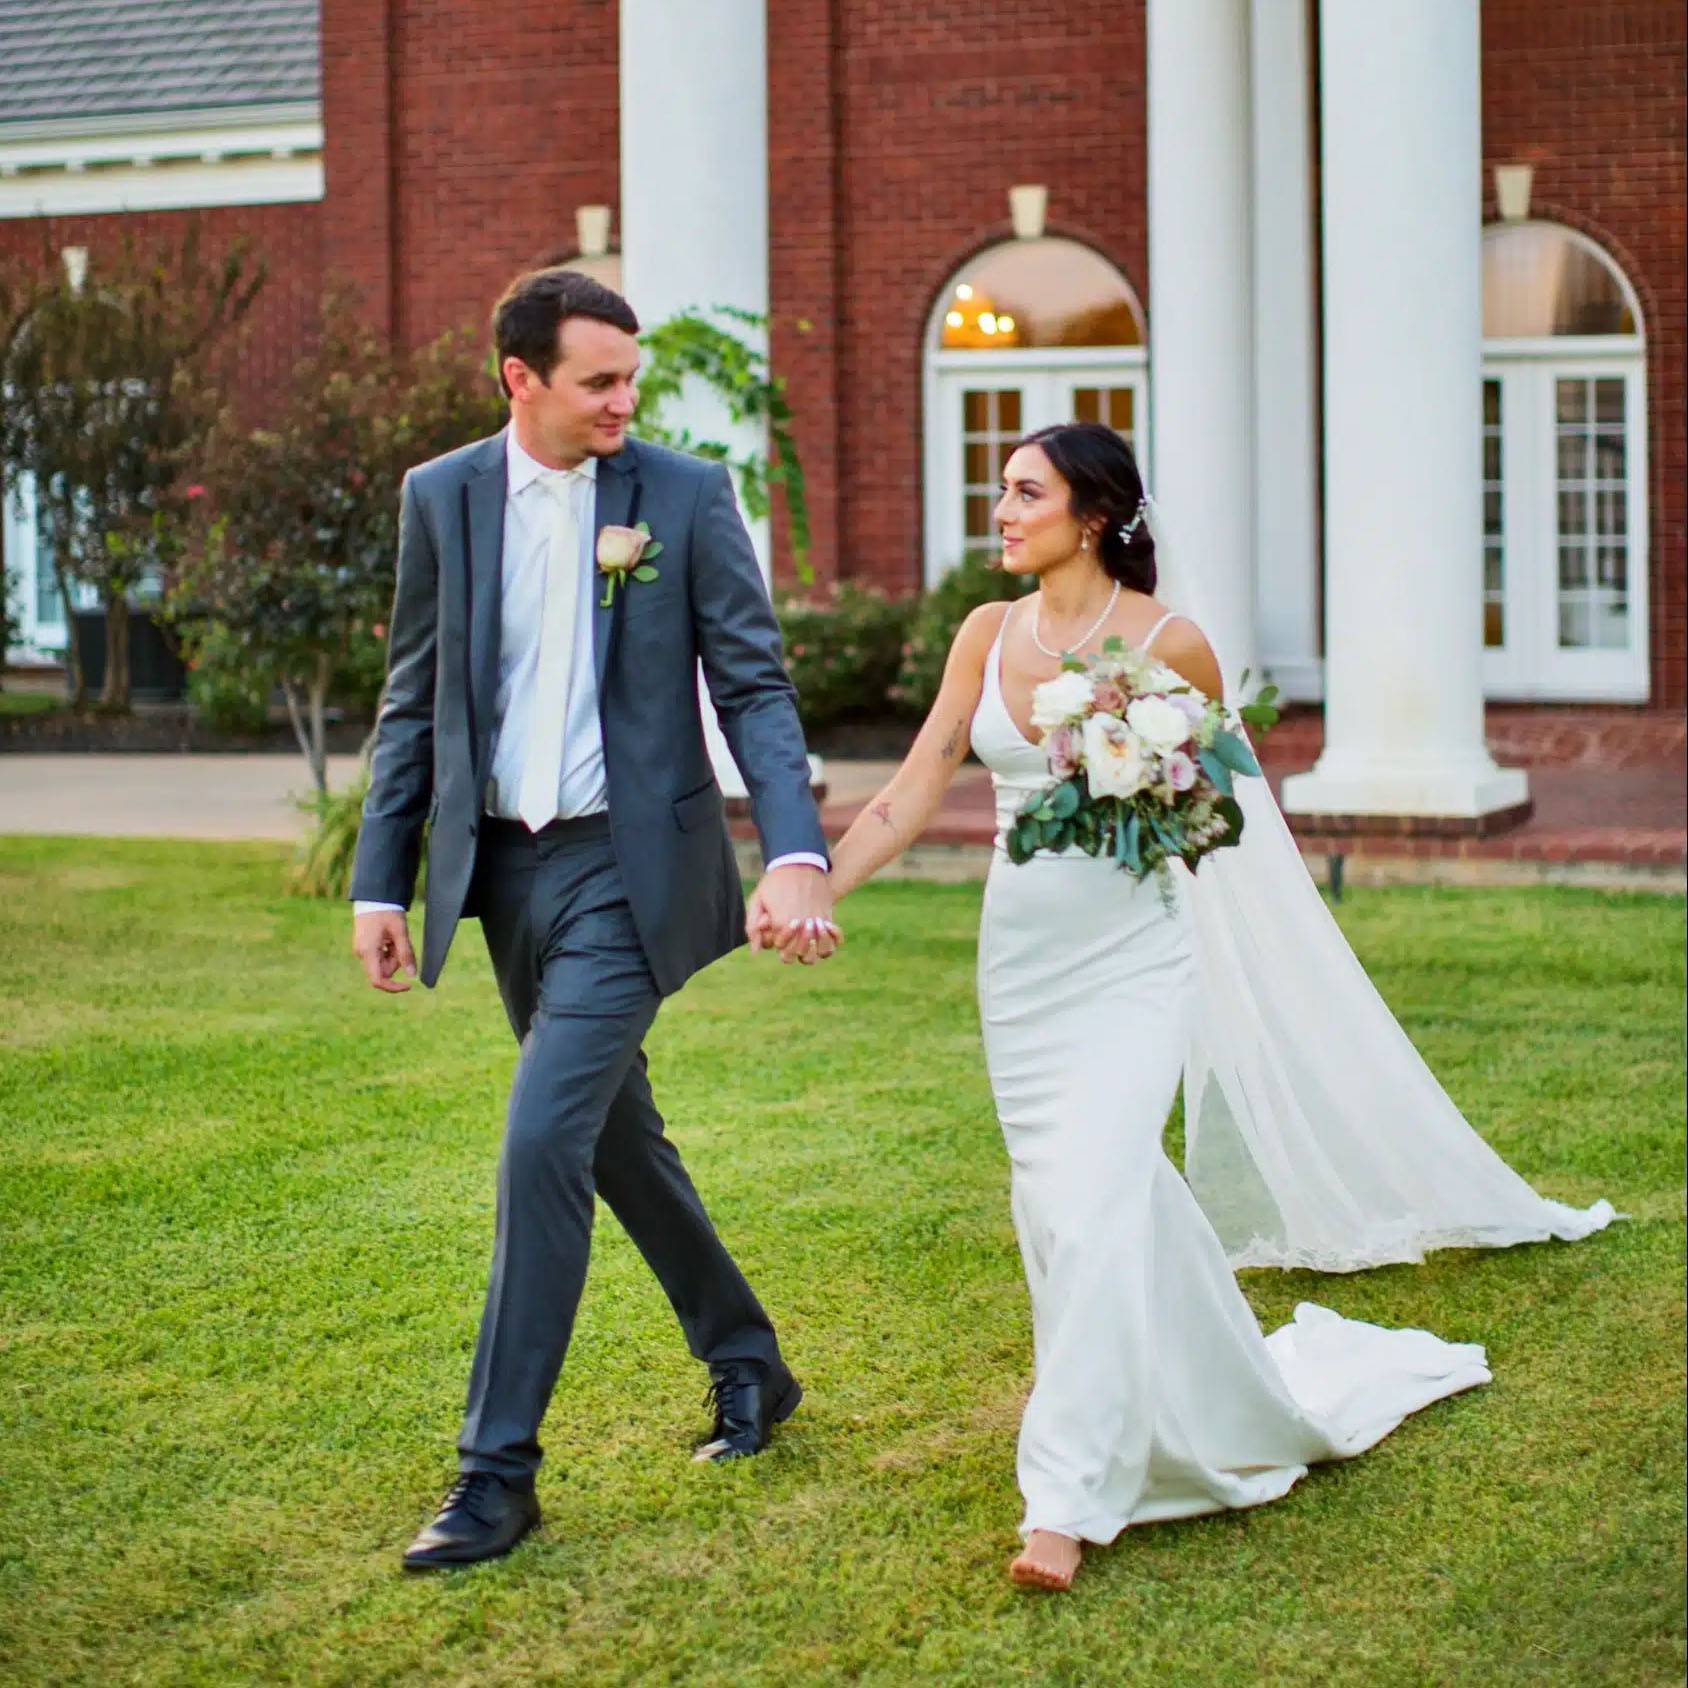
[
  {"x": 323, "y": 867},
  {"x": 937, "y": 615},
  {"x": 842, "y": 651},
  {"x": 228, "y": 688}
]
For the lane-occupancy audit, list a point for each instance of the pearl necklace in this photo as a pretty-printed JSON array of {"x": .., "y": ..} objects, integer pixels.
[{"x": 1077, "y": 644}]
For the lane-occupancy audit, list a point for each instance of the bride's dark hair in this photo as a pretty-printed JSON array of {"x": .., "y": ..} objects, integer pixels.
[{"x": 1101, "y": 470}]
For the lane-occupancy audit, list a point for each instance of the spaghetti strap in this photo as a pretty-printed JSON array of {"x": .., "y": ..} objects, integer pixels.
[{"x": 1171, "y": 615}]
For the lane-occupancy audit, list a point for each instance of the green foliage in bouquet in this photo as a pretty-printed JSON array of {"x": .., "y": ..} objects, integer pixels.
[
  {"x": 1154, "y": 825},
  {"x": 843, "y": 651},
  {"x": 936, "y": 617}
]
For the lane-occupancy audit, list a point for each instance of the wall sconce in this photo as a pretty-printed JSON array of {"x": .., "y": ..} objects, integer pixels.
[
  {"x": 592, "y": 230},
  {"x": 75, "y": 266},
  {"x": 1027, "y": 205},
  {"x": 1512, "y": 191}
]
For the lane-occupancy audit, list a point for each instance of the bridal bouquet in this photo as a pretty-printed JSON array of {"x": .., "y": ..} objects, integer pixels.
[{"x": 1143, "y": 764}]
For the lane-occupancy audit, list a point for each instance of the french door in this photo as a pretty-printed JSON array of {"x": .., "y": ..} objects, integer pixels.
[
  {"x": 979, "y": 404},
  {"x": 1564, "y": 527}
]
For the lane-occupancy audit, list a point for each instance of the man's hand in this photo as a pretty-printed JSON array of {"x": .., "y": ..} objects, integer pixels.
[
  {"x": 791, "y": 911},
  {"x": 382, "y": 944}
]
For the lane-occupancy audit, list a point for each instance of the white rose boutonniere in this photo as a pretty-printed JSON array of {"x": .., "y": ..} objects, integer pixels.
[{"x": 623, "y": 553}]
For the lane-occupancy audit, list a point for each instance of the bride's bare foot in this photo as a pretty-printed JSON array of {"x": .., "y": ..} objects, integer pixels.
[{"x": 1048, "y": 1561}]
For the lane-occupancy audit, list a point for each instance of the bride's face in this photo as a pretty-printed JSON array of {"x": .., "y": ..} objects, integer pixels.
[{"x": 1034, "y": 514}]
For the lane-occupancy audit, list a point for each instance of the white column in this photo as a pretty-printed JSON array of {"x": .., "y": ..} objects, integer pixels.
[
  {"x": 1286, "y": 439},
  {"x": 1201, "y": 320},
  {"x": 694, "y": 195},
  {"x": 1402, "y": 351}
]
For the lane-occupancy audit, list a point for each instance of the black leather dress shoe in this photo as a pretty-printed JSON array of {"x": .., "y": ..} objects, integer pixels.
[
  {"x": 481, "y": 1517},
  {"x": 749, "y": 1400}
]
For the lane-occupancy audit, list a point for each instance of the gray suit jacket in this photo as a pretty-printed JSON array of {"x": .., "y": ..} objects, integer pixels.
[{"x": 434, "y": 736}]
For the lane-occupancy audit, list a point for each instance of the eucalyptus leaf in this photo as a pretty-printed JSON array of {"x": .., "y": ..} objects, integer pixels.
[
  {"x": 645, "y": 572},
  {"x": 1233, "y": 814},
  {"x": 1215, "y": 771},
  {"x": 654, "y": 549},
  {"x": 1132, "y": 850},
  {"x": 1234, "y": 753},
  {"x": 1064, "y": 801}
]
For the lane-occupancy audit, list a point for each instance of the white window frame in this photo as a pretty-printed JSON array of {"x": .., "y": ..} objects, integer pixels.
[
  {"x": 40, "y": 638},
  {"x": 1531, "y": 666},
  {"x": 1047, "y": 378}
]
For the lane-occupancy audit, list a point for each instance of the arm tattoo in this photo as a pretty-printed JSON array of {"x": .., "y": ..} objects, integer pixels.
[
  {"x": 953, "y": 743},
  {"x": 882, "y": 812}
]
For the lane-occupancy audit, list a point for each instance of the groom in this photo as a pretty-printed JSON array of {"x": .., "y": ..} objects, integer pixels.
[{"x": 544, "y": 717}]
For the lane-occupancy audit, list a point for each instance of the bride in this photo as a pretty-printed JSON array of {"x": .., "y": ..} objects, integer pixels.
[{"x": 1316, "y": 1136}]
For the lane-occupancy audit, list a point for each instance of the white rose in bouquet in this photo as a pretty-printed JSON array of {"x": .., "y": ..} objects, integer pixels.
[
  {"x": 1160, "y": 724},
  {"x": 1061, "y": 700},
  {"x": 1114, "y": 758}
]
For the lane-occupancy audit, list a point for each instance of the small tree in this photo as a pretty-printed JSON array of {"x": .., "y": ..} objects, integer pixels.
[
  {"x": 293, "y": 560},
  {"x": 109, "y": 396}
]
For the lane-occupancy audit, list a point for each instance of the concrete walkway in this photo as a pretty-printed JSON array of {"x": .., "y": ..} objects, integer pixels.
[
  {"x": 160, "y": 796},
  {"x": 252, "y": 796},
  {"x": 1613, "y": 827}
]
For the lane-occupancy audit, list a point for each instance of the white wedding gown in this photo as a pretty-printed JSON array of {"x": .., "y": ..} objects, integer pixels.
[{"x": 1156, "y": 1395}]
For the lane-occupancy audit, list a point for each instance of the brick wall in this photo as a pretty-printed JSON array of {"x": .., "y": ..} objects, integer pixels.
[
  {"x": 895, "y": 130},
  {"x": 1592, "y": 96},
  {"x": 460, "y": 139},
  {"x": 278, "y": 329}
]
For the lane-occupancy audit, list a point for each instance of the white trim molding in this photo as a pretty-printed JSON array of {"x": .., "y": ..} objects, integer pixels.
[{"x": 250, "y": 155}]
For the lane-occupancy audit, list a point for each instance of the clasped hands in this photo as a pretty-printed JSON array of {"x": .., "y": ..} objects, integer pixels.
[{"x": 791, "y": 911}]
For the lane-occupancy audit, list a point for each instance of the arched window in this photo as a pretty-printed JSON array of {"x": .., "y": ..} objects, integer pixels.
[
  {"x": 1564, "y": 469},
  {"x": 1025, "y": 333}
]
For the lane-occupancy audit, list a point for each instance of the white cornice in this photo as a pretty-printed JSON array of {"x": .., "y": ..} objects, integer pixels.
[{"x": 250, "y": 155}]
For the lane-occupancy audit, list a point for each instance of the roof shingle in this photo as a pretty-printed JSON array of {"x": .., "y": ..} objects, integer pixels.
[{"x": 95, "y": 58}]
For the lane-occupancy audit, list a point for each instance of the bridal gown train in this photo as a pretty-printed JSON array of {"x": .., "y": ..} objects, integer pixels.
[{"x": 1156, "y": 1395}]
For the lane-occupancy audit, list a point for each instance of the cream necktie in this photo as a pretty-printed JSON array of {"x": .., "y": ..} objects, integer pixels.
[{"x": 542, "y": 768}]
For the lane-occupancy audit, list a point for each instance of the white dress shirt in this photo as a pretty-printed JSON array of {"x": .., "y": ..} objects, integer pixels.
[{"x": 531, "y": 516}]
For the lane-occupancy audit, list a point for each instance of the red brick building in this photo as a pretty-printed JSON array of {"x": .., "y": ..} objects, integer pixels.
[{"x": 454, "y": 143}]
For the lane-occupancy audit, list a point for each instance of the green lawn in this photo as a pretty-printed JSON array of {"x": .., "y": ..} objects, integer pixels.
[
  {"x": 247, "y": 1213},
  {"x": 29, "y": 703}
]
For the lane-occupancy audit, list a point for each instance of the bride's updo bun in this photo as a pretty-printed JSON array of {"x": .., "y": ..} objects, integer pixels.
[{"x": 1101, "y": 470}]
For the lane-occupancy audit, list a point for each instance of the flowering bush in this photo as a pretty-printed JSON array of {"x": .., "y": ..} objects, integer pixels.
[
  {"x": 842, "y": 651},
  {"x": 932, "y": 628}
]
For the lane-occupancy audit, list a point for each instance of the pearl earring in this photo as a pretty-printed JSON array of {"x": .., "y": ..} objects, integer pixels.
[{"x": 1084, "y": 542}]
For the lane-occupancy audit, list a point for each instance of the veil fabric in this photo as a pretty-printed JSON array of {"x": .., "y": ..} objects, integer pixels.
[{"x": 1315, "y": 1135}]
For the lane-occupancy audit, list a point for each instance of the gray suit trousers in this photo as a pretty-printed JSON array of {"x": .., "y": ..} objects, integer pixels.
[{"x": 580, "y": 997}]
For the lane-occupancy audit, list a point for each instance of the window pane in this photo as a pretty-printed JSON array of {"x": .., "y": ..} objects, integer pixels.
[
  {"x": 1573, "y": 624},
  {"x": 1087, "y": 404},
  {"x": 1609, "y": 399},
  {"x": 1045, "y": 292},
  {"x": 979, "y": 516},
  {"x": 980, "y": 464},
  {"x": 1610, "y": 629},
  {"x": 1573, "y": 513},
  {"x": 1573, "y": 401},
  {"x": 1122, "y": 405},
  {"x": 1008, "y": 412},
  {"x": 1573, "y": 567},
  {"x": 1573, "y": 454},
  {"x": 975, "y": 412},
  {"x": 1609, "y": 456},
  {"x": 1613, "y": 570},
  {"x": 1539, "y": 280},
  {"x": 1494, "y": 521}
]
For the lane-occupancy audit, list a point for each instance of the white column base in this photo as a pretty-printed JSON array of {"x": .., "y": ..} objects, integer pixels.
[{"x": 1351, "y": 782}]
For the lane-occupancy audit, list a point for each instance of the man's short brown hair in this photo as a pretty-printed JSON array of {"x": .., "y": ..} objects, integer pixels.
[{"x": 536, "y": 305}]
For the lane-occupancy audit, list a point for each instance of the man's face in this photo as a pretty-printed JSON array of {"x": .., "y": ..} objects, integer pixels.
[{"x": 584, "y": 409}]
